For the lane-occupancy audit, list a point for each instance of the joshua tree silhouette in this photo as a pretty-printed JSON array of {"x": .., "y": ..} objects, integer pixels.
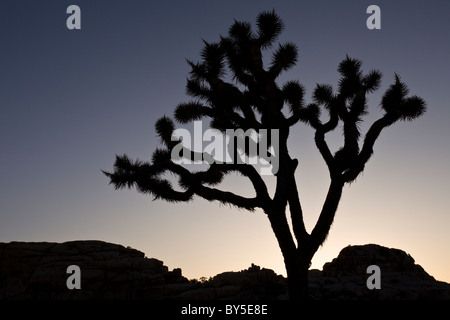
[{"x": 253, "y": 100}]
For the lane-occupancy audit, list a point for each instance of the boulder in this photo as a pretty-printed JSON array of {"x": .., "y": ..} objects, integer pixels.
[
  {"x": 345, "y": 277},
  {"x": 38, "y": 270}
]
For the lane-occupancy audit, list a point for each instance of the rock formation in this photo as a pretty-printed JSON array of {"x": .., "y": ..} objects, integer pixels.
[
  {"x": 254, "y": 283},
  {"x": 38, "y": 270},
  {"x": 401, "y": 279},
  {"x": 108, "y": 271}
]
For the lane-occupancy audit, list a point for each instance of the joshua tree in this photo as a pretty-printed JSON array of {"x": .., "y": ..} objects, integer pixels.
[{"x": 252, "y": 99}]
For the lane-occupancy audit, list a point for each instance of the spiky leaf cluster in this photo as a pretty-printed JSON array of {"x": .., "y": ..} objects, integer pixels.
[
  {"x": 348, "y": 105},
  {"x": 396, "y": 103}
]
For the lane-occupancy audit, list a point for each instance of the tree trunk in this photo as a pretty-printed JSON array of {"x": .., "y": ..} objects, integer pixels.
[
  {"x": 297, "y": 273},
  {"x": 298, "y": 259},
  {"x": 298, "y": 285},
  {"x": 296, "y": 262}
]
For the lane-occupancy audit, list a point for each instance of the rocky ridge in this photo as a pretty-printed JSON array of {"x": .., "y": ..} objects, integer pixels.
[{"x": 38, "y": 271}]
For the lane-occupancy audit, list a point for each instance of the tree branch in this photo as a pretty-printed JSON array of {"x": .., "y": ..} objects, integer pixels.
[
  {"x": 322, "y": 145},
  {"x": 298, "y": 224},
  {"x": 323, "y": 225},
  {"x": 197, "y": 186},
  {"x": 250, "y": 172},
  {"x": 367, "y": 149},
  {"x": 225, "y": 197}
]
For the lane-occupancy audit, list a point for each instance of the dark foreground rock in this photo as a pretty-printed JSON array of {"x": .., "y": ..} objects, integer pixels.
[
  {"x": 108, "y": 271},
  {"x": 38, "y": 270},
  {"x": 401, "y": 279}
]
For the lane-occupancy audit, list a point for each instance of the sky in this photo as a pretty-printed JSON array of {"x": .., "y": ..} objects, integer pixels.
[{"x": 70, "y": 100}]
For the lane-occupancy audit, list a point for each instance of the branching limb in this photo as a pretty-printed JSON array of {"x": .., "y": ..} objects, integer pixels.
[
  {"x": 323, "y": 225},
  {"x": 298, "y": 224},
  {"x": 146, "y": 178},
  {"x": 322, "y": 145},
  {"x": 367, "y": 149}
]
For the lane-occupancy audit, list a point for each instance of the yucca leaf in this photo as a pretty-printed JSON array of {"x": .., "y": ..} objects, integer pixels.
[
  {"x": 213, "y": 57},
  {"x": 284, "y": 58},
  {"x": 198, "y": 70},
  {"x": 372, "y": 80},
  {"x": 412, "y": 108},
  {"x": 160, "y": 155},
  {"x": 197, "y": 89},
  {"x": 293, "y": 92},
  {"x": 394, "y": 96},
  {"x": 189, "y": 111},
  {"x": 350, "y": 67},
  {"x": 164, "y": 127},
  {"x": 269, "y": 28},
  {"x": 241, "y": 31},
  {"x": 323, "y": 94}
]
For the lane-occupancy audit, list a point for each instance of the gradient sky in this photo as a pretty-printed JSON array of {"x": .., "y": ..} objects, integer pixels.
[{"x": 71, "y": 99}]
